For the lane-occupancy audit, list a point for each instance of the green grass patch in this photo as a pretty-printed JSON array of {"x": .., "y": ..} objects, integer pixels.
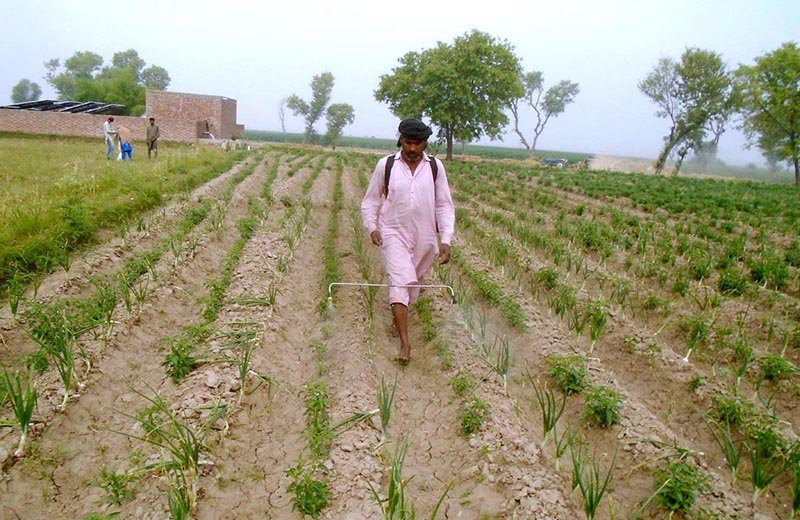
[{"x": 59, "y": 192}]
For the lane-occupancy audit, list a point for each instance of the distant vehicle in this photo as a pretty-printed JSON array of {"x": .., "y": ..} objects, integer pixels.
[{"x": 555, "y": 162}]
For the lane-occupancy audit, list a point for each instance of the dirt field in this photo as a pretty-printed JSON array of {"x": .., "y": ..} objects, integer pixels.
[
  {"x": 501, "y": 471},
  {"x": 620, "y": 164}
]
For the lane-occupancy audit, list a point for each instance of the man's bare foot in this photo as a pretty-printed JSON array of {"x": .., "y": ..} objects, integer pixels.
[{"x": 404, "y": 357}]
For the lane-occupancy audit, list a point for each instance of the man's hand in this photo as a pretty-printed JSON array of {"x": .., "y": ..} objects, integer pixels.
[
  {"x": 444, "y": 254},
  {"x": 376, "y": 237}
]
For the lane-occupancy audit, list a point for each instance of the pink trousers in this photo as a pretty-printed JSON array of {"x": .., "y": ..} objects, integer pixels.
[{"x": 406, "y": 266}]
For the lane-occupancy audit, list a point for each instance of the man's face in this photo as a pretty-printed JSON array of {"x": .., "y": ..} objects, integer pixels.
[{"x": 411, "y": 149}]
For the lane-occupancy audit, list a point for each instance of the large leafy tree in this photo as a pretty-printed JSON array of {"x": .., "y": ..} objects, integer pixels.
[
  {"x": 338, "y": 116},
  {"x": 84, "y": 78},
  {"x": 696, "y": 94},
  {"x": 155, "y": 78},
  {"x": 321, "y": 88},
  {"x": 129, "y": 60},
  {"x": 25, "y": 90},
  {"x": 81, "y": 65},
  {"x": 545, "y": 104},
  {"x": 771, "y": 104},
  {"x": 462, "y": 88}
]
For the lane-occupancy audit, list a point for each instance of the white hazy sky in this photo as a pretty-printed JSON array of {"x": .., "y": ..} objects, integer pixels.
[{"x": 259, "y": 52}]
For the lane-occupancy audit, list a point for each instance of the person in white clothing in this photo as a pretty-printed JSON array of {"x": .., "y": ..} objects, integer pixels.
[{"x": 110, "y": 135}]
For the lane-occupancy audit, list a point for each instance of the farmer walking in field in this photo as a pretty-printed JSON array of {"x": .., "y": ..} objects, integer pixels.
[
  {"x": 110, "y": 136},
  {"x": 152, "y": 138},
  {"x": 409, "y": 213}
]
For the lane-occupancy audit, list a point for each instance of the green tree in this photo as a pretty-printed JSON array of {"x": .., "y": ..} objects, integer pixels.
[
  {"x": 81, "y": 65},
  {"x": 338, "y": 116},
  {"x": 544, "y": 104},
  {"x": 321, "y": 88},
  {"x": 694, "y": 94},
  {"x": 25, "y": 90},
  {"x": 129, "y": 60},
  {"x": 771, "y": 104},
  {"x": 84, "y": 78},
  {"x": 462, "y": 88},
  {"x": 155, "y": 78}
]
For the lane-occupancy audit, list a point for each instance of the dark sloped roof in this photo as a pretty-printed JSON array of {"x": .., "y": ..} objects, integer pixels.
[{"x": 77, "y": 107}]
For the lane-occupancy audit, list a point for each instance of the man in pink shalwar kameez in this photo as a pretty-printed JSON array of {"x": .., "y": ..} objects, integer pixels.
[{"x": 414, "y": 223}]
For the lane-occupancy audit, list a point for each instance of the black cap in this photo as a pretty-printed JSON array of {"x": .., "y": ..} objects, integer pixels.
[{"x": 414, "y": 129}]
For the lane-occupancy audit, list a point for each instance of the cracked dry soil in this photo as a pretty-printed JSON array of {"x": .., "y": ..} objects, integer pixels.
[{"x": 501, "y": 471}]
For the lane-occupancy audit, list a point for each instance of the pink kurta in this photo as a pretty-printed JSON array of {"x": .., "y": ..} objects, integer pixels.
[{"x": 407, "y": 221}]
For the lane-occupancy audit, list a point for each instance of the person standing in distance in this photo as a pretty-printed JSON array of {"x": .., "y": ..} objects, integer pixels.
[
  {"x": 110, "y": 135},
  {"x": 412, "y": 220},
  {"x": 152, "y": 138}
]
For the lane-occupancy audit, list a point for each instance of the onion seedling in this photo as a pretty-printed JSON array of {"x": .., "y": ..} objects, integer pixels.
[
  {"x": 396, "y": 505},
  {"x": 769, "y": 453},
  {"x": 697, "y": 331},
  {"x": 724, "y": 438},
  {"x": 561, "y": 443},
  {"x": 385, "y": 401},
  {"x": 498, "y": 357},
  {"x": 23, "y": 402},
  {"x": 16, "y": 288},
  {"x": 598, "y": 314},
  {"x": 185, "y": 445},
  {"x": 547, "y": 405},
  {"x": 242, "y": 343},
  {"x": 51, "y": 329},
  {"x": 178, "y": 496},
  {"x": 593, "y": 484}
]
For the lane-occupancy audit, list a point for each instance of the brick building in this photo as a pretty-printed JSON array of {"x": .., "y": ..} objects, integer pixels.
[{"x": 180, "y": 116}]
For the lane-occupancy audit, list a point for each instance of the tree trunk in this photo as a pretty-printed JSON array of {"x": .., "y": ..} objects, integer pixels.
[
  {"x": 658, "y": 166},
  {"x": 449, "y": 139},
  {"x": 797, "y": 172},
  {"x": 681, "y": 155},
  {"x": 532, "y": 149}
]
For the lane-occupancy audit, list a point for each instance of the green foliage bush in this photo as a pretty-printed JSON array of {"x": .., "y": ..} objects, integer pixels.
[
  {"x": 568, "y": 372},
  {"x": 602, "y": 406},
  {"x": 473, "y": 414},
  {"x": 677, "y": 484}
]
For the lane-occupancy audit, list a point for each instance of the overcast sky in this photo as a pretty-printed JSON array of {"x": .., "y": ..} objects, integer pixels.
[{"x": 260, "y": 52}]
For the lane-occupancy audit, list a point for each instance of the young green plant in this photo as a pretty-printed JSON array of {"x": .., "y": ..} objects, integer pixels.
[
  {"x": 179, "y": 439},
  {"x": 396, "y": 505},
  {"x": 242, "y": 343},
  {"x": 498, "y": 356},
  {"x": 385, "y": 401},
  {"x": 591, "y": 481},
  {"x": 551, "y": 412},
  {"x": 724, "y": 439},
  {"x": 23, "y": 403}
]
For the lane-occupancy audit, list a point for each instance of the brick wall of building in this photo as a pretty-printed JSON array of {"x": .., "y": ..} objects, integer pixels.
[
  {"x": 89, "y": 125},
  {"x": 181, "y": 117},
  {"x": 218, "y": 112},
  {"x": 229, "y": 119}
]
